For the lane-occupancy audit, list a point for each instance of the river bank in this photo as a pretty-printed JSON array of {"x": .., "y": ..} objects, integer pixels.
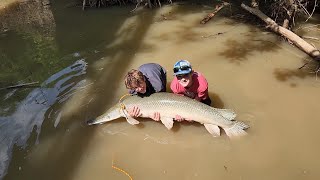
[{"x": 6, "y": 3}]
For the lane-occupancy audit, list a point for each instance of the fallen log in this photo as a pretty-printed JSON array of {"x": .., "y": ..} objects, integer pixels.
[
  {"x": 210, "y": 15},
  {"x": 295, "y": 39}
]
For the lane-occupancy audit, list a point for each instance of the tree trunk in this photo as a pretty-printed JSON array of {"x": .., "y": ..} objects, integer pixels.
[{"x": 295, "y": 39}]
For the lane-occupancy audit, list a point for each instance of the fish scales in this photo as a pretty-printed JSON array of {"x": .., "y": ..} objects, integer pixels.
[{"x": 169, "y": 105}]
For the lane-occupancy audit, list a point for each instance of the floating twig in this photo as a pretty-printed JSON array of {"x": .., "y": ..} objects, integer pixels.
[
  {"x": 121, "y": 170},
  {"x": 20, "y": 85},
  {"x": 314, "y": 8}
]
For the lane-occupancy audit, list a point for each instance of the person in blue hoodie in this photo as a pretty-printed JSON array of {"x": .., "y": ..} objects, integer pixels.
[{"x": 148, "y": 79}]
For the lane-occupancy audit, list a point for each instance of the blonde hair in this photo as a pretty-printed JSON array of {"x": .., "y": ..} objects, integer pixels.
[{"x": 133, "y": 79}]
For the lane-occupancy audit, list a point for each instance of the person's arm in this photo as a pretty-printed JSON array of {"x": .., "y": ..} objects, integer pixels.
[
  {"x": 203, "y": 88},
  {"x": 135, "y": 112},
  {"x": 174, "y": 86},
  {"x": 198, "y": 98}
]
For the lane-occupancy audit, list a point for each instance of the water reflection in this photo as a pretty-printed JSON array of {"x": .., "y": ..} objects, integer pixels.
[{"x": 36, "y": 108}]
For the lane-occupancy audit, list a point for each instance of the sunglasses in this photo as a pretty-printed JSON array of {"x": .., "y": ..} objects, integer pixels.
[
  {"x": 181, "y": 68},
  {"x": 180, "y": 76}
]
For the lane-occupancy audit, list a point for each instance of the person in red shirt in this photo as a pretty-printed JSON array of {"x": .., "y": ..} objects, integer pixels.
[{"x": 189, "y": 83}]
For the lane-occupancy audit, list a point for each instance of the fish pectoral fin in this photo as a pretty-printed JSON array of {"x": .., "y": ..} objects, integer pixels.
[
  {"x": 130, "y": 119},
  {"x": 213, "y": 129},
  {"x": 168, "y": 122}
]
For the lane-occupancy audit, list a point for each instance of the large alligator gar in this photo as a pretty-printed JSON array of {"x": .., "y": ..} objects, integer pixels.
[{"x": 169, "y": 105}]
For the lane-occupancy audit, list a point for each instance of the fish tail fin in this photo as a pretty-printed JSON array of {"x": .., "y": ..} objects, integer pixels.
[{"x": 237, "y": 129}]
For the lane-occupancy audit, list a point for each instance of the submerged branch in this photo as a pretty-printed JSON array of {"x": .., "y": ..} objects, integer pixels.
[
  {"x": 314, "y": 8},
  {"x": 20, "y": 85}
]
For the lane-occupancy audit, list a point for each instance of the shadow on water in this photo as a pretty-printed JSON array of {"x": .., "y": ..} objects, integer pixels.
[
  {"x": 239, "y": 51},
  {"x": 306, "y": 71},
  {"x": 216, "y": 100},
  {"x": 41, "y": 111},
  {"x": 236, "y": 51}
]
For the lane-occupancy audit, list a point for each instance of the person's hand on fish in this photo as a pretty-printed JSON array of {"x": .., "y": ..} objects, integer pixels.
[
  {"x": 180, "y": 119},
  {"x": 134, "y": 112},
  {"x": 156, "y": 116}
]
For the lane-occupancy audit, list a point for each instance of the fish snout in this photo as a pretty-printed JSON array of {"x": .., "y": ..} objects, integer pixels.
[{"x": 90, "y": 122}]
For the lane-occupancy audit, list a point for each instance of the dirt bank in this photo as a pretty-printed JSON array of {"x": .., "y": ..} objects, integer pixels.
[{"x": 6, "y": 3}]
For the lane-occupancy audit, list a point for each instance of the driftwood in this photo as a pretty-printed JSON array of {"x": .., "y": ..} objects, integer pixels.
[
  {"x": 210, "y": 15},
  {"x": 295, "y": 39},
  {"x": 20, "y": 85}
]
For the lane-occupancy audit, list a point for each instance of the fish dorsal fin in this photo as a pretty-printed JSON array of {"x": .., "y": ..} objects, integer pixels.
[
  {"x": 167, "y": 121},
  {"x": 213, "y": 129},
  {"x": 226, "y": 113},
  {"x": 129, "y": 119}
]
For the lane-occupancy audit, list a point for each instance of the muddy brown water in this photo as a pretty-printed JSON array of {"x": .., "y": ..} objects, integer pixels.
[{"x": 248, "y": 69}]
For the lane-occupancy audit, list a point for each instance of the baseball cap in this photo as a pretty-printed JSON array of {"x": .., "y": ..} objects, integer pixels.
[{"x": 182, "y": 67}]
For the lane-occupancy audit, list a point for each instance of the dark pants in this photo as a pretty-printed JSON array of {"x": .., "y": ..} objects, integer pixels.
[{"x": 207, "y": 101}]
